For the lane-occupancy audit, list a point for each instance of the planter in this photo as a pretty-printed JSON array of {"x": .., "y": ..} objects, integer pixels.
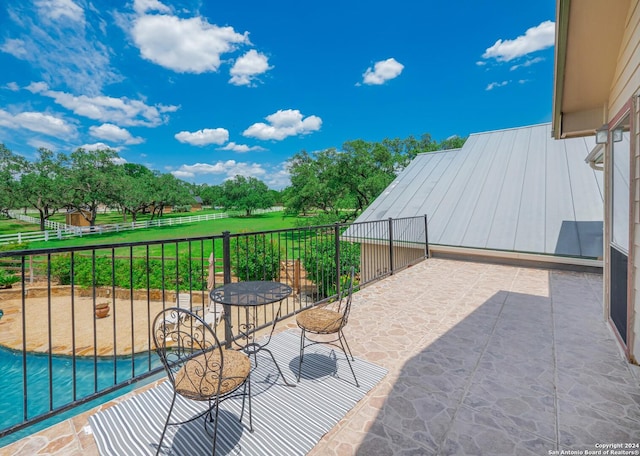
[{"x": 102, "y": 310}]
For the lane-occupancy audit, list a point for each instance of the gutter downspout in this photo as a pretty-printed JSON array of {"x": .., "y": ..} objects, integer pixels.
[{"x": 595, "y": 158}]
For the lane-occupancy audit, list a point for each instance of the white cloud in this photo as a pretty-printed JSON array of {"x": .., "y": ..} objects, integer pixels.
[
  {"x": 203, "y": 137},
  {"x": 527, "y": 63},
  {"x": 101, "y": 146},
  {"x": 142, "y": 6},
  {"x": 229, "y": 169},
  {"x": 382, "y": 72},
  {"x": 284, "y": 123},
  {"x": 183, "y": 174},
  {"x": 184, "y": 45},
  {"x": 278, "y": 178},
  {"x": 121, "y": 111},
  {"x": 37, "y": 122},
  {"x": 481, "y": 63},
  {"x": 241, "y": 148},
  {"x": 493, "y": 85},
  {"x": 246, "y": 68},
  {"x": 14, "y": 87},
  {"x": 58, "y": 41},
  {"x": 56, "y": 10},
  {"x": 38, "y": 143},
  {"x": 114, "y": 133},
  {"x": 535, "y": 39},
  {"x": 16, "y": 47}
]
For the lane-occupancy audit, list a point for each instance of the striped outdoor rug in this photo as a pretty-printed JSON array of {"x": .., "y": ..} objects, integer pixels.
[{"x": 286, "y": 421}]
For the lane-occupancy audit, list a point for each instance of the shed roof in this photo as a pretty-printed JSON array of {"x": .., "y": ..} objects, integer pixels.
[{"x": 516, "y": 190}]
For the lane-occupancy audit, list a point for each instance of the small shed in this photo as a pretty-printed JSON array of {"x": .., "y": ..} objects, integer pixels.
[
  {"x": 197, "y": 204},
  {"x": 76, "y": 218}
]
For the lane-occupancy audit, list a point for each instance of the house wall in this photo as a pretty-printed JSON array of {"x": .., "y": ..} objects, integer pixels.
[
  {"x": 627, "y": 75},
  {"x": 626, "y": 86}
]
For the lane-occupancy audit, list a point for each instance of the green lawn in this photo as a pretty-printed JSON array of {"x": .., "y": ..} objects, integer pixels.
[
  {"x": 103, "y": 218},
  {"x": 264, "y": 222},
  {"x": 12, "y": 226}
]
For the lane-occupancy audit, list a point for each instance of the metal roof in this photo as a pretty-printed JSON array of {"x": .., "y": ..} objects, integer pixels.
[{"x": 515, "y": 190}]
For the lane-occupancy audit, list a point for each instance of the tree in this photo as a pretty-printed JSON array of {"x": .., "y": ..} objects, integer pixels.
[
  {"x": 91, "y": 180},
  {"x": 246, "y": 194},
  {"x": 43, "y": 185},
  {"x": 365, "y": 170},
  {"x": 452, "y": 142},
  {"x": 10, "y": 167},
  {"x": 136, "y": 187},
  {"x": 211, "y": 195},
  {"x": 332, "y": 181},
  {"x": 303, "y": 194},
  {"x": 167, "y": 190}
]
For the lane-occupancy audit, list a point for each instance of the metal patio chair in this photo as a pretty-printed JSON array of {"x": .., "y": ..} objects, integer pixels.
[
  {"x": 214, "y": 314},
  {"x": 325, "y": 320},
  {"x": 199, "y": 368}
]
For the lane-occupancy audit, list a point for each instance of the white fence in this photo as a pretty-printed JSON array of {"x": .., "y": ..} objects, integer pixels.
[{"x": 62, "y": 231}]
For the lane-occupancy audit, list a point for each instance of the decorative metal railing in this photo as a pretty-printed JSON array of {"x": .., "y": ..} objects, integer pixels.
[{"x": 58, "y": 351}]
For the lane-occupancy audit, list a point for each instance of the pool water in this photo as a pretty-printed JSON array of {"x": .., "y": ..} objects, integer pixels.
[{"x": 91, "y": 376}]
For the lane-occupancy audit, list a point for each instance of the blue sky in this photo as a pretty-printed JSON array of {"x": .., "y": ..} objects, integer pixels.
[{"x": 208, "y": 90}]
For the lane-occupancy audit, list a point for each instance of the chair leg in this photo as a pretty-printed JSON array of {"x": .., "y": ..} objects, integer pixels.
[
  {"x": 215, "y": 428},
  {"x": 341, "y": 338},
  {"x": 301, "y": 354},
  {"x": 249, "y": 396},
  {"x": 166, "y": 424},
  {"x": 247, "y": 385},
  {"x": 341, "y": 334}
]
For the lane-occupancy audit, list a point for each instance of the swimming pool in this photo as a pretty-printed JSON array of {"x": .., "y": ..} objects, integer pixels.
[{"x": 91, "y": 376}]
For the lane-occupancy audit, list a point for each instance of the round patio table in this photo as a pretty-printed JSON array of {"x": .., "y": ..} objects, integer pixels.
[{"x": 251, "y": 295}]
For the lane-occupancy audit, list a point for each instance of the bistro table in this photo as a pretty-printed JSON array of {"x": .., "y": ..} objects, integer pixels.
[{"x": 251, "y": 295}]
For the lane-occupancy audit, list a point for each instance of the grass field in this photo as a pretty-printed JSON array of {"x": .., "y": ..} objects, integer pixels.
[
  {"x": 12, "y": 226},
  {"x": 263, "y": 222}
]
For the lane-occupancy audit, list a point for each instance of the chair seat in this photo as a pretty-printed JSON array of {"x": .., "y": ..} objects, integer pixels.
[
  {"x": 320, "y": 320},
  {"x": 199, "y": 377}
]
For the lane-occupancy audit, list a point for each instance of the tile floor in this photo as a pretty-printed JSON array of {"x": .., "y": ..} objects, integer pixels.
[{"x": 482, "y": 359}]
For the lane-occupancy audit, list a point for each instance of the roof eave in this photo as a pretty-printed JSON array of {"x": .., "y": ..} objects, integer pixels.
[{"x": 560, "y": 58}]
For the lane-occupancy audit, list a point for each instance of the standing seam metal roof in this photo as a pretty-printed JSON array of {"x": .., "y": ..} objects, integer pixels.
[{"x": 517, "y": 190}]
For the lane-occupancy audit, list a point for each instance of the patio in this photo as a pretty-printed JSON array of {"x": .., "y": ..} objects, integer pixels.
[{"x": 482, "y": 359}]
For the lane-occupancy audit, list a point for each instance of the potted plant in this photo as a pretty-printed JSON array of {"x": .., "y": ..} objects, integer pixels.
[{"x": 102, "y": 309}]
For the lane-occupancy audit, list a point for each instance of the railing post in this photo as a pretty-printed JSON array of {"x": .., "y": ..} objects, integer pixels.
[
  {"x": 226, "y": 268},
  {"x": 391, "y": 245},
  {"x": 426, "y": 237},
  {"x": 226, "y": 256},
  {"x": 336, "y": 235}
]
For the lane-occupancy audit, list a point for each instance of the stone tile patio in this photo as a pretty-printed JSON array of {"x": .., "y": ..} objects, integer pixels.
[{"x": 482, "y": 359}]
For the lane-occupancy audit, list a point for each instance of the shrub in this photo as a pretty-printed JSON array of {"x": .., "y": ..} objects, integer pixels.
[
  {"x": 12, "y": 263},
  {"x": 255, "y": 258},
  {"x": 7, "y": 278},
  {"x": 143, "y": 275},
  {"x": 320, "y": 263}
]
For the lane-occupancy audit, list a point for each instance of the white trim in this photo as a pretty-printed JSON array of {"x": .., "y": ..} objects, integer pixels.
[{"x": 595, "y": 159}]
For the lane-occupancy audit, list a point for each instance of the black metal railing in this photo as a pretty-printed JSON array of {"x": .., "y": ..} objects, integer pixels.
[{"x": 57, "y": 351}]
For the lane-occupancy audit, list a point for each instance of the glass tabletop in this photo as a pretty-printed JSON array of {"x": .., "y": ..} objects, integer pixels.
[{"x": 254, "y": 293}]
